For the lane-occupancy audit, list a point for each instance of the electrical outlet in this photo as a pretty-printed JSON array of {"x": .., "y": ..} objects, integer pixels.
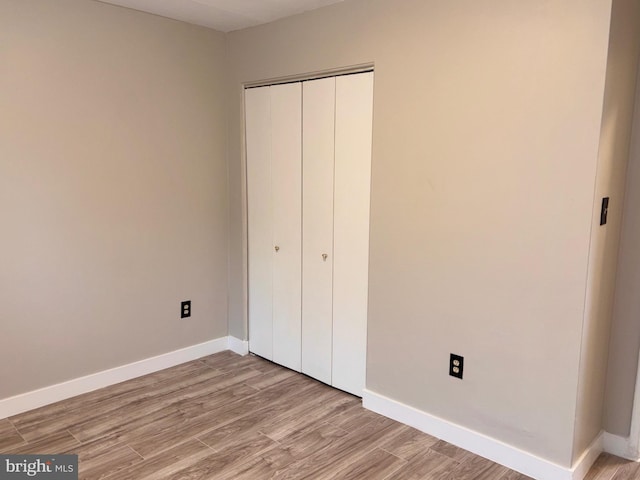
[
  {"x": 185, "y": 309},
  {"x": 456, "y": 365}
]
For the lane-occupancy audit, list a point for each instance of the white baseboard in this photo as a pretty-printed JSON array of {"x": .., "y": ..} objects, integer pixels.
[
  {"x": 54, "y": 393},
  {"x": 241, "y": 347},
  {"x": 620, "y": 447},
  {"x": 588, "y": 458},
  {"x": 487, "y": 447}
]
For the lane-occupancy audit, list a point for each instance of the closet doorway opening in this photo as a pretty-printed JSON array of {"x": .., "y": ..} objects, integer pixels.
[{"x": 308, "y": 154}]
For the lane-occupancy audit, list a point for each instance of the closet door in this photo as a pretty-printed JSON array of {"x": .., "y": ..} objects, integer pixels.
[
  {"x": 286, "y": 174},
  {"x": 274, "y": 201},
  {"x": 260, "y": 220},
  {"x": 354, "y": 115},
  {"x": 317, "y": 227}
]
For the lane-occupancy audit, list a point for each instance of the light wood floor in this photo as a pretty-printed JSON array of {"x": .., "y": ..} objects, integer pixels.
[{"x": 231, "y": 417}]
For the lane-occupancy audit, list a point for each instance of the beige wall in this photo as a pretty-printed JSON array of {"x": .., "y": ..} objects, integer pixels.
[
  {"x": 625, "y": 333},
  {"x": 113, "y": 188},
  {"x": 485, "y": 148},
  {"x": 622, "y": 66}
]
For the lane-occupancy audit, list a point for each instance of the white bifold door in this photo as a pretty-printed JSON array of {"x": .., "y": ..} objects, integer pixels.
[
  {"x": 274, "y": 175},
  {"x": 308, "y": 178}
]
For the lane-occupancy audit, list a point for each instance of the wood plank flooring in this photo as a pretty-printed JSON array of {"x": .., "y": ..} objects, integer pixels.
[{"x": 229, "y": 417}]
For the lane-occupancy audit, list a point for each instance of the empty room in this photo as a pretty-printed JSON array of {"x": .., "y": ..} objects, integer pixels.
[{"x": 320, "y": 239}]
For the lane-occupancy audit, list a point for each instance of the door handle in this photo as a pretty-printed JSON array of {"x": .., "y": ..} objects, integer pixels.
[
  {"x": 324, "y": 257},
  {"x": 277, "y": 248}
]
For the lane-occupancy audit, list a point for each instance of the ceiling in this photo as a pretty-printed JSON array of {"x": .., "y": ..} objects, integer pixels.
[{"x": 224, "y": 15}]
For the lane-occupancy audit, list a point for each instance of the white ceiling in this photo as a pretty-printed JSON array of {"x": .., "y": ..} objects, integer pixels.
[{"x": 224, "y": 15}]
